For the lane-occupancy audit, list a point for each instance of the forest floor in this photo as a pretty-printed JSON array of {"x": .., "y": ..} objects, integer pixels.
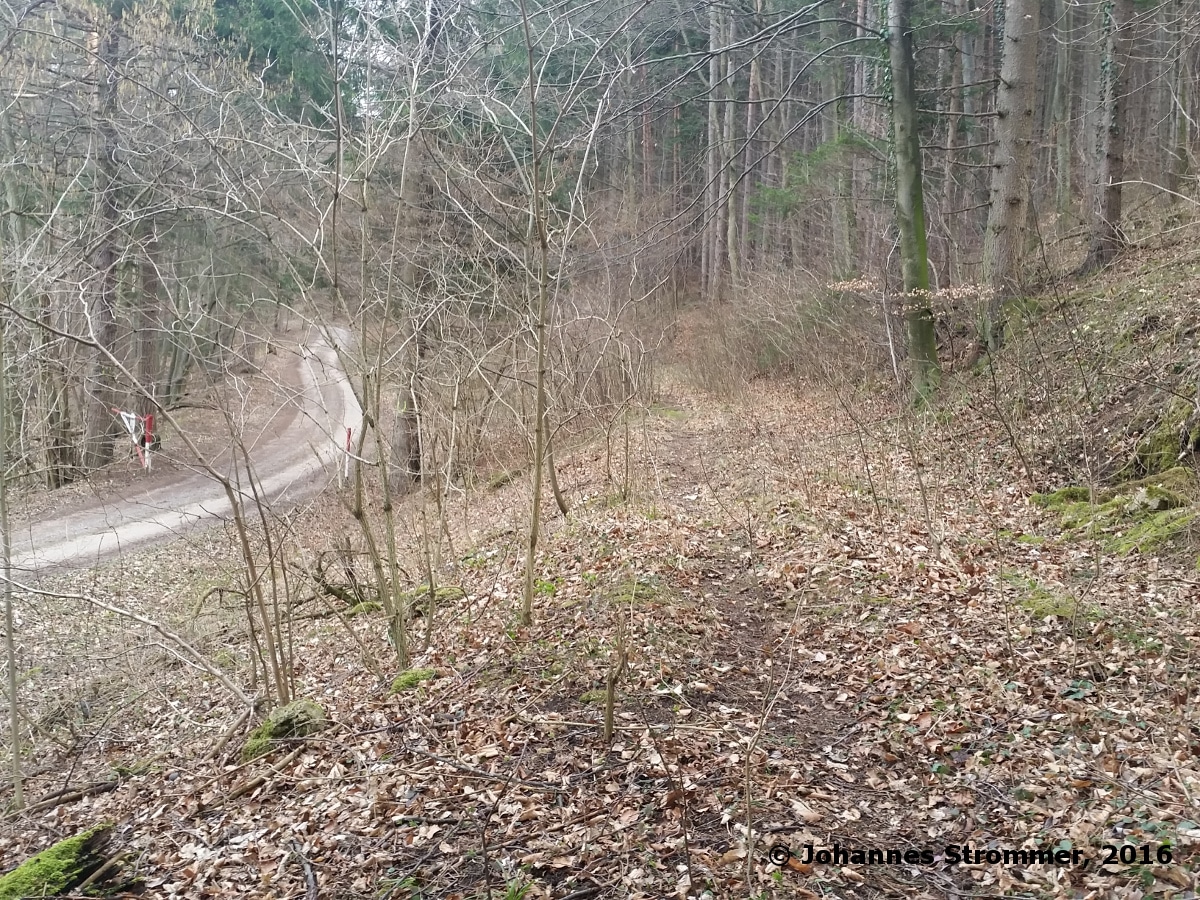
[{"x": 843, "y": 624}]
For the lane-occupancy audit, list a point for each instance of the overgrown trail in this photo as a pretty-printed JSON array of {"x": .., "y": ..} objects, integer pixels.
[
  {"x": 818, "y": 632},
  {"x": 965, "y": 672}
]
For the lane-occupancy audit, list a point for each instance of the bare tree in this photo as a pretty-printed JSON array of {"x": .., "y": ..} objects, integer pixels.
[{"x": 10, "y": 638}]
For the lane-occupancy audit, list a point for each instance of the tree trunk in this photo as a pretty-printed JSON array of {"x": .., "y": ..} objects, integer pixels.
[
  {"x": 711, "y": 264},
  {"x": 750, "y": 156},
  {"x": 1065, "y": 13},
  {"x": 910, "y": 205},
  {"x": 10, "y": 639},
  {"x": 149, "y": 336},
  {"x": 102, "y": 426},
  {"x": 1107, "y": 237},
  {"x": 727, "y": 205},
  {"x": 61, "y": 450},
  {"x": 1004, "y": 241},
  {"x": 839, "y": 207},
  {"x": 1178, "y": 157}
]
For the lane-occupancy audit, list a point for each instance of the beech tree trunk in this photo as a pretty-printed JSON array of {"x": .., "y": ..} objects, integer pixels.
[
  {"x": 840, "y": 213},
  {"x": 149, "y": 337},
  {"x": 10, "y": 640},
  {"x": 711, "y": 260}
]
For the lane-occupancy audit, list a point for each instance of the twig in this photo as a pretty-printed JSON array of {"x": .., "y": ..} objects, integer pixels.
[
  {"x": 310, "y": 877},
  {"x": 254, "y": 783},
  {"x": 227, "y": 737},
  {"x": 584, "y": 893},
  {"x": 70, "y": 795},
  {"x": 490, "y": 776}
]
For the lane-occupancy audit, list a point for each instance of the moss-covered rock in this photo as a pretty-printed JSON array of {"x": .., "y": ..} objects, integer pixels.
[
  {"x": 1144, "y": 516},
  {"x": 1074, "y": 493},
  {"x": 1154, "y": 531},
  {"x": 406, "y": 681},
  {"x": 1182, "y": 481},
  {"x": 1153, "y": 499},
  {"x": 62, "y": 868},
  {"x": 297, "y": 719},
  {"x": 1079, "y": 517}
]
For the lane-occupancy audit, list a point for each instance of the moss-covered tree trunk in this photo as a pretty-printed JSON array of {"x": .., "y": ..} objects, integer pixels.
[
  {"x": 65, "y": 867},
  {"x": 910, "y": 204}
]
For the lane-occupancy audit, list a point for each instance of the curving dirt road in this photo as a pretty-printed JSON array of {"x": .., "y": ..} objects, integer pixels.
[{"x": 295, "y": 457}]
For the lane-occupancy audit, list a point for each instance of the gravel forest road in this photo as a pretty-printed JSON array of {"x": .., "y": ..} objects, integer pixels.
[{"x": 294, "y": 456}]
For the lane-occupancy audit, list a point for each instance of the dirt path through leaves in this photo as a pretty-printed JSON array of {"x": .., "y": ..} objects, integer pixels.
[{"x": 806, "y": 662}]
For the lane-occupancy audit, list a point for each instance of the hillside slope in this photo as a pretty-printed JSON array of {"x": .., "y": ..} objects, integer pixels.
[{"x": 827, "y": 621}]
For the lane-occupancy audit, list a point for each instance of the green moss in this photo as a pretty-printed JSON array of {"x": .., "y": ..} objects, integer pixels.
[
  {"x": 1150, "y": 643},
  {"x": 406, "y": 681},
  {"x": 293, "y": 720},
  {"x": 1154, "y": 531},
  {"x": 1153, "y": 499},
  {"x": 1091, "y": 517},
  {"x": 1019, "y": 314},
  {"x": 362, "y": 609},
  {"x": 1179, "y": 480},
  {"x": 1072, "y": 494},
  {"x": 134, "y": 769},
  {"x": 500, "y": 479},
  {"x": 668, "y": 412},
  {"x": 597, "y": 695},
  {"x": 1042, "y": 603},
  {"x": 418, "y": 598},
  {"x": 635, "y": 590},
  {"x": 1158, "y": 449},
  {"x": 56, "y": 870}
]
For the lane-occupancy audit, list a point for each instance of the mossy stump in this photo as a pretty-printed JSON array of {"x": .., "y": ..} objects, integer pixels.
[
  {"x": 297, "y": 719},
  {"x": 66, "y": 867}
]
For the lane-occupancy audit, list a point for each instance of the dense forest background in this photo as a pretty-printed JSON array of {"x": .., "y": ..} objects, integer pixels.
[{"x": 502, "y": 196}]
